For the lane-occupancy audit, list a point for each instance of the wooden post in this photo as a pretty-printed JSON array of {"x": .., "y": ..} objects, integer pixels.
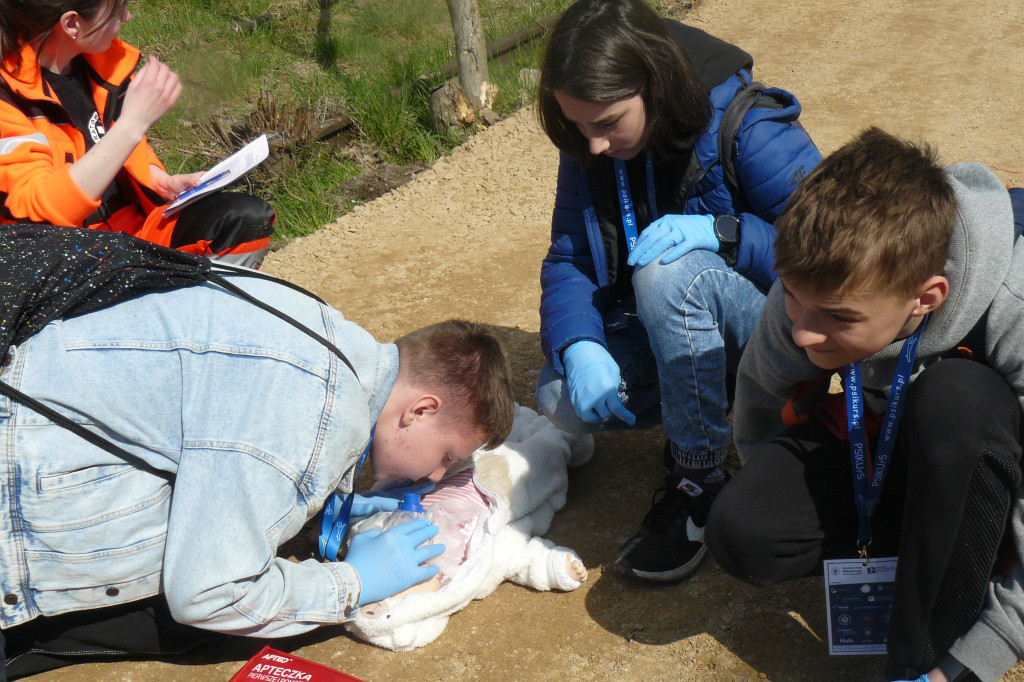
[{"x": 471, "y": 50}]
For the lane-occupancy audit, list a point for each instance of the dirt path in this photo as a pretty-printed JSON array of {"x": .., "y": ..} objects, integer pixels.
[{"x": 465, "y": 239}]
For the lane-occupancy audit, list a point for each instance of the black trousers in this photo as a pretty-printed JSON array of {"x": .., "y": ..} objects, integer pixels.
[
  {"x": 943, "y": 508},
  {"x": 226, "y": 220},
  {"x": 135, "y": 630}
]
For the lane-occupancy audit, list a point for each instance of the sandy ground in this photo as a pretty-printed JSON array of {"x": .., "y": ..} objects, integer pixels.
[{"x": 466, "y": 238}]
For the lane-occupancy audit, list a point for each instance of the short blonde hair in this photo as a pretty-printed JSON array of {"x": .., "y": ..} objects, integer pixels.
[{"x": 878, "y": 213}]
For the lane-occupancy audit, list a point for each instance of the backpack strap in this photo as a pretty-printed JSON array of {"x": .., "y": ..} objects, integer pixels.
[
  {"x": 750, "y": 96},
  {"x": 136, "y": 461},
  {"x": 219, "y": 279},
  {"x": 85, "y": 270},
  {"x": 76, "y": 428}
]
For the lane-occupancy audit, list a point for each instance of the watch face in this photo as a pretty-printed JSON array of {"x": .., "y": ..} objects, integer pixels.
[{"x": 727, "y": 229}]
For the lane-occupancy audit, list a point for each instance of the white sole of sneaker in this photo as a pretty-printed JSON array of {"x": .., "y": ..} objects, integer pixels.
[{"x": 694, "y": 533}]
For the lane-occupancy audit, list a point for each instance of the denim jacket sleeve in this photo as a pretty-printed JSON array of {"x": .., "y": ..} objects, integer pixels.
[
  {"x": 774, "y": 153},
  {"x": 230, "y": 512},
  {"x": 572, "y": 296}
]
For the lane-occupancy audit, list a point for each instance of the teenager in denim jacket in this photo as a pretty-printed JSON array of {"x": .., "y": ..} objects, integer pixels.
[{"x": 259, "y": 424}]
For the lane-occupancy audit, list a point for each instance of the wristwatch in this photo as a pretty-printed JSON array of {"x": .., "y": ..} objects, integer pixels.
[{"x": 727, "y": 230}]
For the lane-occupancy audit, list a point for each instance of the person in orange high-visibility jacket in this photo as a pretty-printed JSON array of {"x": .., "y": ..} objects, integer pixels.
[{"x": 73, "y": 124}]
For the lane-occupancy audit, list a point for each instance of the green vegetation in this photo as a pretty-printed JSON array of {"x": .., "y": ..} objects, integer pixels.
[{"x": 372, "y": 60}]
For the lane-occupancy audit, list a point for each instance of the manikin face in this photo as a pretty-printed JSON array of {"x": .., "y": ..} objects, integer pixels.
[
  {"x": 617, "y": 128},
  {"x": 94, "y": 37},
  {"x": 837, "y": 329},
  {"x": 418, "y": 442}
]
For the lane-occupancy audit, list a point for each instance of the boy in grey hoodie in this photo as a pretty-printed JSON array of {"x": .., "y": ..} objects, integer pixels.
[{"x": 888, "y": 265}]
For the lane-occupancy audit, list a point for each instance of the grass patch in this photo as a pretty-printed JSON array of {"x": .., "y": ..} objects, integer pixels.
[
  {"x": 336, "y": 57},
  {"x": 308, "y": 199}
]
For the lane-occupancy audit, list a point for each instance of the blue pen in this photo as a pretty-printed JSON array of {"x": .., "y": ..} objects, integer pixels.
[{"x": 201, "y": 186}]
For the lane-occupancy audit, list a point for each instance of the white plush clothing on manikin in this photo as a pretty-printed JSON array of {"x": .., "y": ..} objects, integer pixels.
[{"x": 525, "y": 481}]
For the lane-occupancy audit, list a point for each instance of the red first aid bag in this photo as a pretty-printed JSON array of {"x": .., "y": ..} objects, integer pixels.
[{"x": 270, "y": 665}]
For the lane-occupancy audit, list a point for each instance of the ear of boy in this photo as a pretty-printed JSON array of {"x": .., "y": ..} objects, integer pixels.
[
  {"x": 424, "y": 406},
  {"x": 932, "y": 294},
  {"x": 410, "y": 419}
]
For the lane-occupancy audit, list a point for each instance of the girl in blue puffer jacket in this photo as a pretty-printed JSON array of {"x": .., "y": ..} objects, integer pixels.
[{"x": 658, "y": 264}]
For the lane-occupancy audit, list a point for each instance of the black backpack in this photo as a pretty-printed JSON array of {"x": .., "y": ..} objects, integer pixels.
[{"x": 49, "y": 273}]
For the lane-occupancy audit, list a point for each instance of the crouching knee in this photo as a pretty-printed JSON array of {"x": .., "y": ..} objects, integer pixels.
[
  {"x": 744, "y": 547},
  {"x": 553, "y": 402},
  {"x": 657, "y": 281}
]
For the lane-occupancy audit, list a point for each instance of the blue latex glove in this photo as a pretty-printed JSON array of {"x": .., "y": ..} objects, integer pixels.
[
  {"x": 371, "y": 503},
  {"x": 923, "y": 678},
  {"x": 389, "y": 562},
  {"x": 593, "y": 381},
  {"x": 387, "y": 499},
  {"x": 683, "y": 232}
]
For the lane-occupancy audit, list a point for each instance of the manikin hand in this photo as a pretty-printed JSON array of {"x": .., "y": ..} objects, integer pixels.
[
  {"x": 389, "y": 562},
  {"x": 593, "y": 382},
  {"x": 683, "y": 232}
]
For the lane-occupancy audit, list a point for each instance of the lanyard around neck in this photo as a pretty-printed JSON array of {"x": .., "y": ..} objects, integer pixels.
[
  {"x": 867, "y": 484},
  {"x": 626, "y": 200},
  {"x": 337, "y": 512}
]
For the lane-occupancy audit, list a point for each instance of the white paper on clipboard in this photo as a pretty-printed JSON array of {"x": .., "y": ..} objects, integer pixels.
[{"x": 230, "y": 169}]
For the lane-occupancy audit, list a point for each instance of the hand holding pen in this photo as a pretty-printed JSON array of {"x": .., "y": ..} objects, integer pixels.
[{"x": 201, "y": 186}]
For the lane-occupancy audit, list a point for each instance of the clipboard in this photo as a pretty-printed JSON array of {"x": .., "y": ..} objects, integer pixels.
[{"x": 223, "y": 174}]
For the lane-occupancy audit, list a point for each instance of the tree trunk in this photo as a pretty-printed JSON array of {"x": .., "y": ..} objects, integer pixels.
[{"x": 471, "y": 50}]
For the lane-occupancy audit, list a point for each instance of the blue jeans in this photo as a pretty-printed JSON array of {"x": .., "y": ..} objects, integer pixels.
[{"x": 675, "y": 342}]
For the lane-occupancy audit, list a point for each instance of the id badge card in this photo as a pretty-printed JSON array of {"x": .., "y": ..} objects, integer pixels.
[{"x": 858, "y": 598}]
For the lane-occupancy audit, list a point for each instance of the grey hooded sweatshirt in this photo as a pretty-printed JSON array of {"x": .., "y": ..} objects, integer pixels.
[{"x": 986, "y": 273}]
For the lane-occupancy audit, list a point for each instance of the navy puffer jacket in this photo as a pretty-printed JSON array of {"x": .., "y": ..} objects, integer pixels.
[{"x": 584, "y": 270}]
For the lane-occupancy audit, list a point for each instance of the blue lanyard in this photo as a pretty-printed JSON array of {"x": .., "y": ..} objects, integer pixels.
[
  {"x": 866, "y": 491},
  {"x": 626, "y": 200},
  {"x": 337, "y": 513}
]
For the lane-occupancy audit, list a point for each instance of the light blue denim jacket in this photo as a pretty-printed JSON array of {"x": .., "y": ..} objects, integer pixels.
[{"x": 258, "y": 422}]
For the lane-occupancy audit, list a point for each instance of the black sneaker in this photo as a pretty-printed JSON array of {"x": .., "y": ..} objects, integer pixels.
[{"x": 670, "y": 543}]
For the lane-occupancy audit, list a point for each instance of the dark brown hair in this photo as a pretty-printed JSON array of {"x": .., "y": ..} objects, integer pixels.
[
  {"x": 24, "y": 22},
  {"x": 877, "y": 213},
  {"x": 467, "y": 364},
  {"x": 604, "y": 50}
]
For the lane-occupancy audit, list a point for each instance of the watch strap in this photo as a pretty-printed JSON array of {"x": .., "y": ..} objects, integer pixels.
[{"x": 727, "y": 231}]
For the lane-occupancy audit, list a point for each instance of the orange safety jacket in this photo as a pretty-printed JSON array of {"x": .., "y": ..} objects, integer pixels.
[{"x": 38, "y": 144}]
